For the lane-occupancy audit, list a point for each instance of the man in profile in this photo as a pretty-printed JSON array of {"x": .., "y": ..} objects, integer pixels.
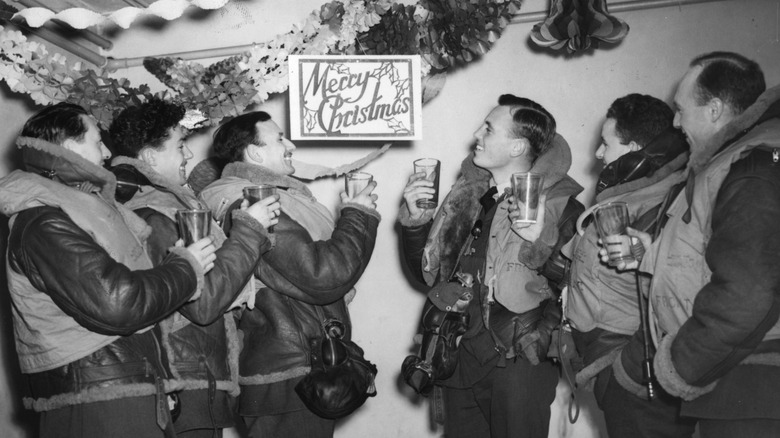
[
  {"x": 715, "y": 295},
  {"x": 307, "y": 277},
  {"x": 84, "y": 291},
  {"x": 503, "y": 384},
  {"x": 644, "y": 157}
]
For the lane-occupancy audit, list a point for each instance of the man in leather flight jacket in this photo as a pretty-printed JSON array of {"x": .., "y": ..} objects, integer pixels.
[
  {"x": 311, "y": 271},
  {"x": 85, "y": 293},
  {"x": 199, "y": 340},
  {"x": 503, "y": 385}
]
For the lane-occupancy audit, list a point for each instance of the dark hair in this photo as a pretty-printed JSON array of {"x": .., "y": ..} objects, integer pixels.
[
  {"x": 532, "y": 122},
  {"x": 144, "y": 125},
  {"x": 730, "y": 77},
  {"x": 232, "y": 137},
  {"x": 640, "y": 118},
  {"x": 57, "y": 123}
]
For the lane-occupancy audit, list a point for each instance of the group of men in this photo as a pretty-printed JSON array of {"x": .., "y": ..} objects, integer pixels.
[
  {"x": 122, "y": 331},
  {"x": 706, "y": 235}
]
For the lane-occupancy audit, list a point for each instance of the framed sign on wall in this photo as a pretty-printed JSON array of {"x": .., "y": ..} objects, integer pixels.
[{"x": 355, "y": 98}]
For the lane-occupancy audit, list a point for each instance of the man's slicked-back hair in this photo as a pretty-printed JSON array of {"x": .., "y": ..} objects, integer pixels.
[
  {"x": 144, "y": 125},
  {"x": 232, "y": 137},
  {"x": 730, "y": 77},
  {"x": 57, "y": 123},
  {"x": 640, "y": 118},
  {"x": 531, "y": 121}
]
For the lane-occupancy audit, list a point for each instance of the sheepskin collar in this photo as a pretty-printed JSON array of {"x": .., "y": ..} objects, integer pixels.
[
  {"x": 133, "y": 174},
  {"x": 462, "y": 206},
  {"x": 766, "y": 107},
  {"x": 669, "y": 168},
  {"x": 59, "y": 164},
  {"x": 262, "y": 175}
]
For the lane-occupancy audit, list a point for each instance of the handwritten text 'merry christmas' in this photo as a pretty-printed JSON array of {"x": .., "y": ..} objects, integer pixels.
[{"x": 347, "y": 99}]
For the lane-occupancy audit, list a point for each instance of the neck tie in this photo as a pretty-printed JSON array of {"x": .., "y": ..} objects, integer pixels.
[{"x": 487, "y": 200}]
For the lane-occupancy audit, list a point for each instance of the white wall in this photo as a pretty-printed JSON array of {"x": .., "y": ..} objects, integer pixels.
[{"x": 576, "y": 89}]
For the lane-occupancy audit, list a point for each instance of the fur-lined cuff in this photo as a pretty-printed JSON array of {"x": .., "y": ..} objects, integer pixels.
[
  {"x": 586, "y": 375},
  {"x": 405, "y": 219},
  {"x": 626, "y": 381},
  {"x": 91, "y": 395},
  {"x": 363, "y": 208},
  {"x": 668, "y": 377},
  {"x": 265, "y": 379},
  {"x": 246, "y": 218},
  {"x": 184, "y": 253}
]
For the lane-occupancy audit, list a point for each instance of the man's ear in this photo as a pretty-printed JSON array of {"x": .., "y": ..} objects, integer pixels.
[
  {"x": 634, "y": 146},
  {"x": 148, "y": 156},
  {"x": 715, "y": 109},
  {"x": 254, "y": 153},
  {"x": 519, "y": 146}
]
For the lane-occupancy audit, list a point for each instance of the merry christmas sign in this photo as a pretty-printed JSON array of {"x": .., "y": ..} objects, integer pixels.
[{"x": 355, "y": 98}]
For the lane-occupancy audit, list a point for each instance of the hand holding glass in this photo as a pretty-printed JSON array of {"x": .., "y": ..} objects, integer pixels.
[
  {"x": 193, "y": 225},
  {"x": 356, "y": 182},
  {"x": 526, "y": 188},
  {"x": 431, "y": 168},
  {"x": 611, "y": 223},
  {"x": 256, "y": 193}
]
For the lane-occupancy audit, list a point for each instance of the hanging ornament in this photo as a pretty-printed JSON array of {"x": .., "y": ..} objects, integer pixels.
[{"x": 574, "y": 23}]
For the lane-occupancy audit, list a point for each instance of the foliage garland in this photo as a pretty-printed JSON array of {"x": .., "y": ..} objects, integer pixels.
[{"x": 446, "y": 33}]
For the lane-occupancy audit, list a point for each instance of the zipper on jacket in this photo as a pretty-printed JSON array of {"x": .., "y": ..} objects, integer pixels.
[{"x": 775, "y": 156}]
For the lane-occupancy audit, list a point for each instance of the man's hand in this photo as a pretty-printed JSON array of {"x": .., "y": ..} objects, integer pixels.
[
  {"x": 527, "y": 230},
  {"x": 640, "y": 241},
  {"x": 417, "y": 188},
  {"x": 365, "y": 198},
  {"x": 266, "y": 211},
  {"x": 204, "y": 252}
]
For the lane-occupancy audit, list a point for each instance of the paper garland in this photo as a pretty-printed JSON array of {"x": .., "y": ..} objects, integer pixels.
[
  {"x": 447, "y": 34},
  {"x": 81, "y": 18}
]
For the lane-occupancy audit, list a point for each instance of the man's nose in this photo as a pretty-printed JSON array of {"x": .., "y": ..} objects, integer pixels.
[
  {"x": 600, "y": 152},
  {"x": 290, "y": 146}
]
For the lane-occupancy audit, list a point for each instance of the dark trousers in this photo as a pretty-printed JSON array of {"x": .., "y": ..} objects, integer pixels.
[
  {"x": 754, "y": 428},
  {"x": 132, "y": 417},
  {"x": 629, "y": 416},
  {"x": 513, "y": 401},
  {"x": 297, "y": 424}
]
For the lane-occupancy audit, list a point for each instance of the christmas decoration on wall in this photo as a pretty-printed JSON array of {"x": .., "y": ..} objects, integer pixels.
[
  {"x": 445, "y": 33},
  {"x": 81, "y": 18},
  {"x": 575, "y": 23}
]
